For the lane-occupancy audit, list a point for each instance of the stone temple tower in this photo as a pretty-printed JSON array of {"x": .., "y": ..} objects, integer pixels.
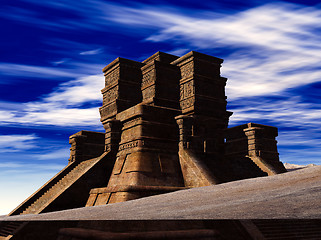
[
  {"x": 166, "y": 129},
  {"x": 166, "y": 123}
]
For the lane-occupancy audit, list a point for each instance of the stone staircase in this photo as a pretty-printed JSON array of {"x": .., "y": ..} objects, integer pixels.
[
  {"x": 244, "y": 167},
  {"x": 270, "y": 166},
  {"x": 7, "y": 229},
  {"x": 292, "y": 229},
  {"x": 53, "y": 192},
  {"x": 60, "y": 183}
]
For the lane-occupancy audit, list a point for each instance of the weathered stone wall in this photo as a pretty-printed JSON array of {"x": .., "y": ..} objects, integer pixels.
[
  {"x": 86, "y": 145},
  {"x": 165, "y": 123},
  {"x": 170, "y": 133},
  {"x": 255, "y": 142},
  {"x": 122, "y": 87},
  {"x": 147, "y": 162}
]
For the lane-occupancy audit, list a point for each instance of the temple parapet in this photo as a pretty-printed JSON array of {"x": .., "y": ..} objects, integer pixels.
[
  {"x": 86, "y": 145},
  {"x": 122, "y": 87},
  {"x": 165, "y": 122},
  {"x": 160, "y": 81},
  {"x": 202, "y": 89},
  {"x": 257, "y": 142}
]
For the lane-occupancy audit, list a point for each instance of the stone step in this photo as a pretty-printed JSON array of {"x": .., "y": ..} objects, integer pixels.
[
  {"x": 68, "y": 179},
  {"x": 289, "y": 229},
  {"x": 245, "y": 167},
  {"x": 5, "y": 233},
  {"x": 8, "y": 228}
]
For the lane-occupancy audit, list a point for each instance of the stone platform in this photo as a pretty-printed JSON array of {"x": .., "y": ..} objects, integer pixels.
[{"x": 166, "y": 131}]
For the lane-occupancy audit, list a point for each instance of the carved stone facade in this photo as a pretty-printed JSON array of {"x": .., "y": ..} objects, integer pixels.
[
  {"x": 174, "y": 138},
  {"x": 166, "y": 129},
  {"x": 255, "y": 142},
  {"x": 120, "y": 76},
  {"x": 160, "y": 81},
  {"x": 86, "y": 145}
]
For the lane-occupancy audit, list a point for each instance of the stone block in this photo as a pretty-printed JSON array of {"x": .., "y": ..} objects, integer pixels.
[
  {"x": 256, "y": 141},
  {"x": 123, "y": 78},
  {"x": 202, "y": 89},
  {"x": 161, "y": 57},
  {"x": 86, "y": 145},
  {"x": 160, "y": 84},
  {"x": 194, "y": 63}
]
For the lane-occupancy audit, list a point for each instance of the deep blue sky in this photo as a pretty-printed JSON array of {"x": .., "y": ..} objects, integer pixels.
[{"x": 52, "y": 53}]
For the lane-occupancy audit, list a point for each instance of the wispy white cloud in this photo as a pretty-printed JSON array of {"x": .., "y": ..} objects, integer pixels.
[
  {"x": 36, "y": 71},
  {"x": 58, "y": 154},
  {"x": 84, "y": 89},
  {"x": 179, "y": 51},
  {"x": 14, "y": 143},
  {"x": 288, "y": 112},
  {"x": 7, "y": 167},
  {"x": 61, "y": 117},
  {"x": 301, "y": 138},
  {"x": 272, "y": 48},
  {"x": 6, "y": 116},
  {"x": 62, "y": 107},
  {"x": 275, "y": 46},
  {"x": 92, "y": 52},
  {"x": 272, "y": 26},
  {"x": 85, "y": 14},
  {"x": 59, "y": 62}
]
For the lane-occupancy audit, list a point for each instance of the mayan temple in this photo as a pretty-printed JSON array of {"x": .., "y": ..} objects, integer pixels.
[{"x": 166, "y": 129}]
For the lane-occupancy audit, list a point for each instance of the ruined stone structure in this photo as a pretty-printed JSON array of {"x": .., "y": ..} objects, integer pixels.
[{"x": 166, "y": 129}]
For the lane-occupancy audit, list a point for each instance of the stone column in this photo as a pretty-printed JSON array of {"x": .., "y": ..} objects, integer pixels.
[
  {"x": 160, "y": 81},
  {"x": 113, "y": 134},
  {"x": 202, "y": 96},
  {"x": 185, "y": 125},
  {"x": 202, "y": 89},
  {"x": 86, "y": 145},
  {"x": 255, "y": 142},
  {"x": 261, "y": 141},
  {"x": 146, "y": 162},
  {"x": 122, "y": 87},
  {"x": 76, "y": 142},
  {"x": 236, "y": 145}
]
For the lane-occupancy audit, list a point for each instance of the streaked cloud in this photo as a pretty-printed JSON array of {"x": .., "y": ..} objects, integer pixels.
[
  {"x": 268, "y": 50},
  {"x": 53, "y": 155},
  {"x": 61, "y": 117},
  {"x": 59, "y": 62},
  {"x": 84, "y": 89},
  {"x": 92, "y": 52},
  {"x": 14, "y": 143},
  {"x": 289, "y": 112},
  {"x": 273, "y": 47},
  {"x": 62, "y": 107},
  {"x": 179, "y": 51},
  {"x": 7, "y": 167},
  {"x": 6, "y": 116},
  {"x": 23, "y": 70}
]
